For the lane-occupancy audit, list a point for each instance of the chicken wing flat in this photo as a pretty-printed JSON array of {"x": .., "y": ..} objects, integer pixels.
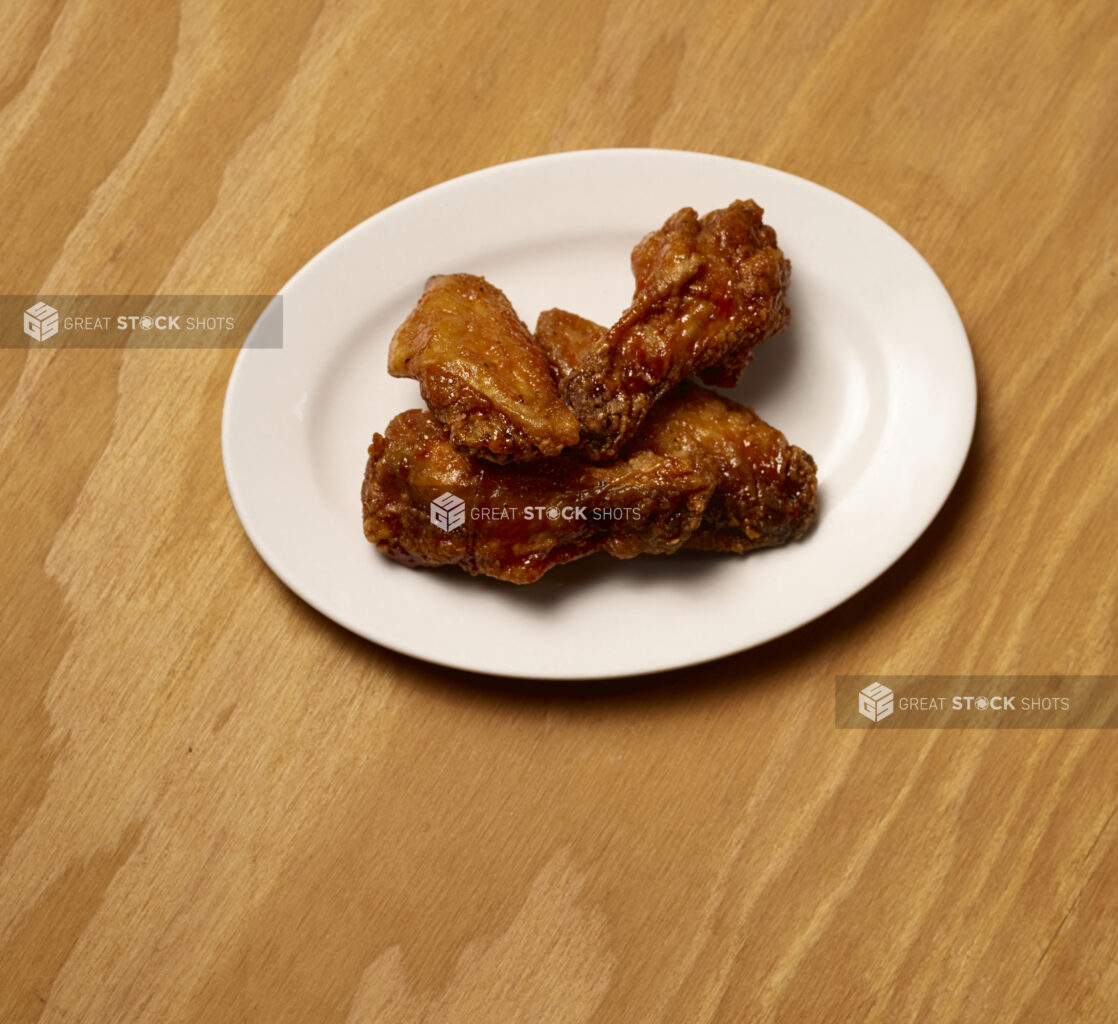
[
  {"x": 481, "y": 372},
  {"x": 518, "y": 521},
  {"x": 766, "y": 487},
  {"x": 707, "y": 291}
]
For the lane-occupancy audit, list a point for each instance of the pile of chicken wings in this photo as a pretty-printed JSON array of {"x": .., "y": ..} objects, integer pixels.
[{"x": 579, "y": 438}]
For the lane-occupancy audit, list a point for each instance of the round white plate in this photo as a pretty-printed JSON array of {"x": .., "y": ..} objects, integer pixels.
[{"x": 874, "y": 377}]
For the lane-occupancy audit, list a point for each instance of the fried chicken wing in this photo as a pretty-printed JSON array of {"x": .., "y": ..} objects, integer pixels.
[
  {"x": 704, "y": 472},
  {"x": 765, "y": 488},
  {"x": 518, "y": 521},
  {"x": 765, "y": 493},
  {"x": 481, "y": 372},
  {"x": 708, "y": 290}
]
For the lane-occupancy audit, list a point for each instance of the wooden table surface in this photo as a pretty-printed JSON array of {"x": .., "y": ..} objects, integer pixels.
[{"x": 218, "y": 806}]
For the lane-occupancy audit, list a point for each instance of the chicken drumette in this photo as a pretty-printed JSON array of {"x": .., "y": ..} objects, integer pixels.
[
  {"x": 764, "y": 493},
  {"x": 707, "y": 291}
]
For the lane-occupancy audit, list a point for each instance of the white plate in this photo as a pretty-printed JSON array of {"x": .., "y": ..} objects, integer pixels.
[{"x": 874, "y": 378}]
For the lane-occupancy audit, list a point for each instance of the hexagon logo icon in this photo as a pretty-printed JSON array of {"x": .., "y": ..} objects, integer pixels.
[
  {"x": 875, "y": 702},
  {"x": 448, "y": 511},
  {"x": 40, "y": 321}
]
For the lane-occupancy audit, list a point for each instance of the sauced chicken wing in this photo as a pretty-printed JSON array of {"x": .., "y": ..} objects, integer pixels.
[
  {"x": 481, "y": 373},
  {"x": 703, "y": 473},
  {"x": 708, "y": 290},
  {"x": 518, "y": 521},
  {"x": 765, "y": 487}
]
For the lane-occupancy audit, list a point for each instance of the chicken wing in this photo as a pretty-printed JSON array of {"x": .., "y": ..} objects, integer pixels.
[
  {"x": 766, "y": 488},
  {"x": 703, "y": 473},
  {"x": 518, "y": 521},
  {"x": 708, "y": 290},
  {"x": 481, "y": 372}
]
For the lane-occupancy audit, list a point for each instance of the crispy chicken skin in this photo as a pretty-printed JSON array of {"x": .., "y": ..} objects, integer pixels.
[
  {"x": 707, "y": 291},
  {"x": 765, "y": 492},
  {"x": 481, "y": 372},
  {"x": 648, "y": 503},
  {"x": 765, "y": 488}
]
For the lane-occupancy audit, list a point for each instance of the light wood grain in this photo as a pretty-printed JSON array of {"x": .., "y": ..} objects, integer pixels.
[{"x": 216, "y": 806}]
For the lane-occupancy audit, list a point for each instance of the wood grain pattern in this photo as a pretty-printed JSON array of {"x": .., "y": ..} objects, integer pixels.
[{"x": 217, "y": 806}]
